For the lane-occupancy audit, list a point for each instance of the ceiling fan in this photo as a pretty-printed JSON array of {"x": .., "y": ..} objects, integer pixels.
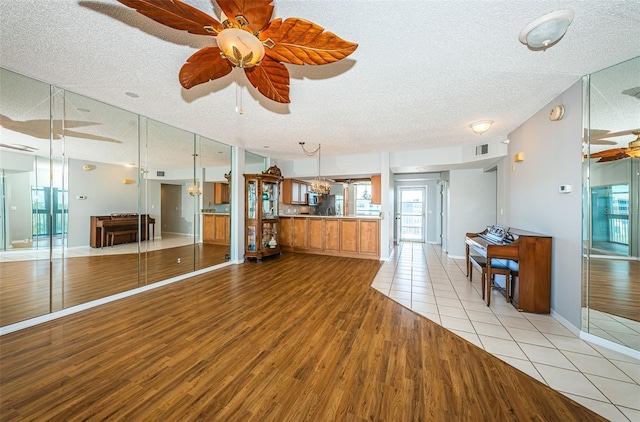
[
  {"x": 633, "y": 150},
  {"x": 247, "y": 38}
]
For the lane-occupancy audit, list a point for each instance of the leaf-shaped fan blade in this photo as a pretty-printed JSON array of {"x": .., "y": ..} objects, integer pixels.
[
  {"x": 610, "y": 154},
  {"x": 271, "y": 78},
  {"x": 298, "y": 41},
  {"x": 203, "y": 66},
  {"x": 176, "y": 14},
  {"x": 256, "y": 12}
]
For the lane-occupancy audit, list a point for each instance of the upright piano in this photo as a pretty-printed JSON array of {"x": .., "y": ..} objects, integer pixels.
[
  {"x": 101, "y": 224},
  {"x": 531, "y": 254}
]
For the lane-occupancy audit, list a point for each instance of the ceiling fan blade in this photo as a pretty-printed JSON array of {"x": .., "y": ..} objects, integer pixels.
[
  {"x": 177, "y": 15},
  {"x": 298, "y": 41},
  {"x": 603, "y": 142},
  {"x": 257, "y": 12},
  {"x": 621, "y": 133},
  {"x": 205, "y": 65},
  {"x": 74, "y": 134},
  {"x": 610, "y": 154},
  {"x": 271, "y": 79}
]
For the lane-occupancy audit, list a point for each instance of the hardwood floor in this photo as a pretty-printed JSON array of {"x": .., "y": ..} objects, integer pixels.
[
  {"x": 614, "y": 287},
  {"x": 299, "y": 337},
  {"x": 25, "y": 287}
]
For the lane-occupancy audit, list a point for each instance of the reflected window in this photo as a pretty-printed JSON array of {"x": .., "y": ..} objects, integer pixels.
[{"x": 610, "y": 218}]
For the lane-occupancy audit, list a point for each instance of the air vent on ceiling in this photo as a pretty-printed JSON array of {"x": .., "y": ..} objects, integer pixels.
[
  {"x": 482, "y": 149},
  {"x": 160, "y": 173}
]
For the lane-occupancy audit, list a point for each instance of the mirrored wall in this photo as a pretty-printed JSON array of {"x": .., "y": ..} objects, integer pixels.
[
  {"x": 611, "y": 204},
  {"x": 97, "y": 200}
]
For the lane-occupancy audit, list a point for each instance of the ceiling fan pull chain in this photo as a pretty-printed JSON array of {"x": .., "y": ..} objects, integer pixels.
[{"x": 238, "y": 95}]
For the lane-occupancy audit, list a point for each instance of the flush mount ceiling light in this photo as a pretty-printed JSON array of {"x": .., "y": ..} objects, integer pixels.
[
  {"x": 481, "y": 126},
  {"x": 547, "y": 30},
  {"x": 247, "y": 38}
]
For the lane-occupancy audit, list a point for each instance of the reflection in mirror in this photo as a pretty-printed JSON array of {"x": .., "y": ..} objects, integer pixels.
[
  {"x": 611, "y": 227},
  {"x": 116, "y": 212},
  {"x": 214, "y": 170}
]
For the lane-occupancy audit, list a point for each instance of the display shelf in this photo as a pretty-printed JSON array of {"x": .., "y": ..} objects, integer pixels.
[{"x": 261, "y": 214}]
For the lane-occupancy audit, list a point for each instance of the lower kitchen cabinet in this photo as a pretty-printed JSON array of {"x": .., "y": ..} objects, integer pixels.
[
  {"x": 216, "y": 229},
  {"x": 351, "y": 237}
]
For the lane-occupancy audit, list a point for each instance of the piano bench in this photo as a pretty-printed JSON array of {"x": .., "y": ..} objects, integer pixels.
[
  {"x": 500, "y": 267},
  {"x": 111, "y": 235}
]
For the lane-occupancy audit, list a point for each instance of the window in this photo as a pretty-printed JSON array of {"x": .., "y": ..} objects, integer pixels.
[{"x": 363, "y": 200}]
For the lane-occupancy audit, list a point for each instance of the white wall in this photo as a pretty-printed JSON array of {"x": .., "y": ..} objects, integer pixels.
[
  {"x": 105, "y": 193},
  {"x": 552, "y": 157},
  {"x": 472, "y": 206}
]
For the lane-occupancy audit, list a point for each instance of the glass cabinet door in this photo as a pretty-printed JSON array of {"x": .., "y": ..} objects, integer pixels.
[{"x": 251, "y": 200}]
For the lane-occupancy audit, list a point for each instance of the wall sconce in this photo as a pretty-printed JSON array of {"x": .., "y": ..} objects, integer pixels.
[
  {"x": 127, "y": 181},
  {"x": 518, "y": 157},
  {"x": 88, "y": 167},
  {"x": 481, "y": 126}
]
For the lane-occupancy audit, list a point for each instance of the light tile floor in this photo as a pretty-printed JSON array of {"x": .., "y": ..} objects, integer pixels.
[{"x": 423, "y": 278}]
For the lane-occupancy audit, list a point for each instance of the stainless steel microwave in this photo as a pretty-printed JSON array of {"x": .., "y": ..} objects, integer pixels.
[{"x": 313, "y": 199}]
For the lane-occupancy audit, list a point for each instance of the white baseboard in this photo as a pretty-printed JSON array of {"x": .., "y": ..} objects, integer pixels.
[{"x": 610, "y": 345}]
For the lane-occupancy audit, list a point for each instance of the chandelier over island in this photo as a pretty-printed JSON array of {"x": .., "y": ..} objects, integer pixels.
[{"x": 319, "y": 185}]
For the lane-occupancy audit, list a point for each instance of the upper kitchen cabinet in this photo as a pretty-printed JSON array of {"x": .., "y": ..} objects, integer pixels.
[
  {"x": 294, "y": 192},
  {"x": 221, "y": 193},
  {"x": 376, "y": 190}
]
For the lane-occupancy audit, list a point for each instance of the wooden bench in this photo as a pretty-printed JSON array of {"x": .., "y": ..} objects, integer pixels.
[
  {"x": 480, "y": 263},
  {"x": 111, "y": 235}
]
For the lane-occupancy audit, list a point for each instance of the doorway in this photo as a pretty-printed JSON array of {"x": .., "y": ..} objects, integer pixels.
[{"x": 412, "y": 216}]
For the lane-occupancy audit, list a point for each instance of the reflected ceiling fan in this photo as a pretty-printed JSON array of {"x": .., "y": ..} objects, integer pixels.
[
  {"x": 247, "y": 38},
  {"x": 613, "y": 154},
  {"x": 40, "y": 128}
]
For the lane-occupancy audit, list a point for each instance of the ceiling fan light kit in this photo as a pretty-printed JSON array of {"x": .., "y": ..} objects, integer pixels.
[
  {"x": 547, "y": 30},
  {"x": 240, "y": 47},
  {"x": 246, "y": 29},
  {"x": 481, "y": 127}
]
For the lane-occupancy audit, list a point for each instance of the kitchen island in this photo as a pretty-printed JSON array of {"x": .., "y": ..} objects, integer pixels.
[{"x": 357, "y": 237}]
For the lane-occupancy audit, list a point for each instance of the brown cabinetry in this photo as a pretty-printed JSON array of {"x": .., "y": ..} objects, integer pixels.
[
  {"x": 261, "y": 214},
  {"x": 349, "y": 236},
  {"x": 352, "y": 237},
  {"x": 376, "y": 190},
  {"x": 294, "y": 192},
  {"x": 300, "y": 233},
  {"x": 221, "y": 193},
  {"x": 216, "y": 228}
]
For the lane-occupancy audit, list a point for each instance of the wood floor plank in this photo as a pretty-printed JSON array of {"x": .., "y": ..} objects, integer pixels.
[{"x": 299, "y": 337}]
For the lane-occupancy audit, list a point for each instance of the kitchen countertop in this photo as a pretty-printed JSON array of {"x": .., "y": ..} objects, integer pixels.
[
  {"x": 361, "y": 217},
  {"x": 213, "y": 212}
]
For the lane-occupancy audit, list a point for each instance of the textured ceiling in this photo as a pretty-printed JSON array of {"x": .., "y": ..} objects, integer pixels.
[{"x": 423, "y": 71}]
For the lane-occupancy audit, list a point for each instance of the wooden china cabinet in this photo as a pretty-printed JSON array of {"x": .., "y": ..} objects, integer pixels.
[{"x": 261, "y": 214}]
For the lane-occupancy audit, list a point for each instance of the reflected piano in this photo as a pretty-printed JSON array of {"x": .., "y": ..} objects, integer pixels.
[
  {"x": 101, "y": 224},
  {"x": 531, "y": 252}
]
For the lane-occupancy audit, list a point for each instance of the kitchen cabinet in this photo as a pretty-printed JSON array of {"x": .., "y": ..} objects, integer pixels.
[
  {"x": 216, "y": 229},
  {"x": 376, "y": 190},
  {"x": 221, "y": 193},
  {"x": 300, "y": 238},
  {"x": 286, "y": 232},
  {"x": 315, "y": 229},
  {"x": 332, "y": 235},
  {"x": 294, "y": 192},
  {"x": 261, "y": 214},
  {"x": 350, "y": 237}
]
